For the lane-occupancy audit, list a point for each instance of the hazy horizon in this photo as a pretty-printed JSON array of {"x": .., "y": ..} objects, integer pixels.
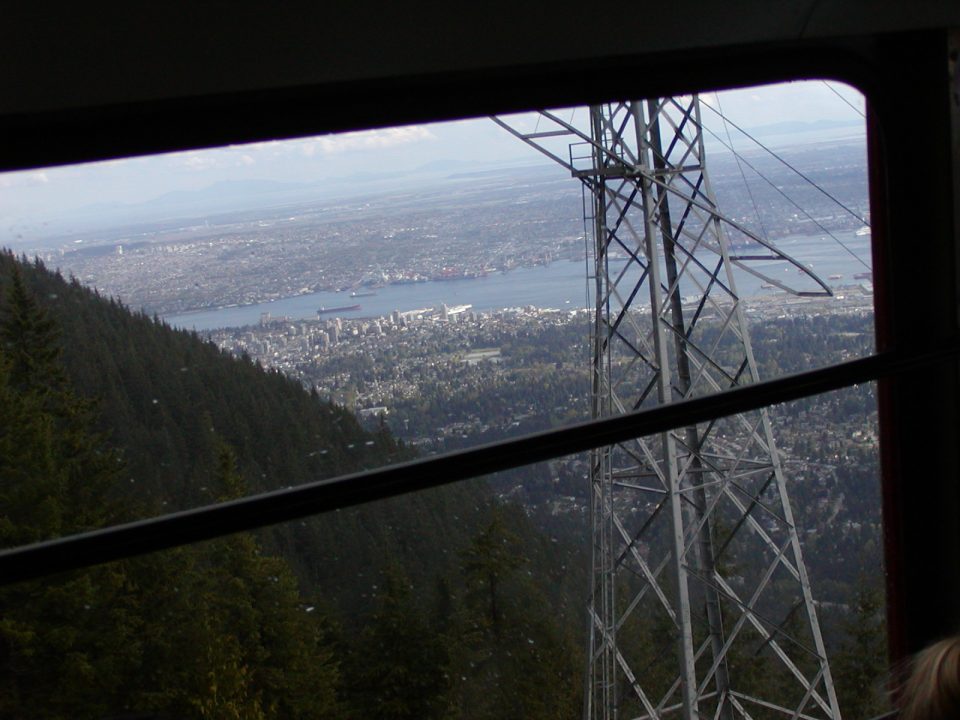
[{"x": 43, "y": 206}]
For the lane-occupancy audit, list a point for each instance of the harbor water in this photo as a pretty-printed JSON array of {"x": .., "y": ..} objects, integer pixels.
[{"x": 559, "y": 285}]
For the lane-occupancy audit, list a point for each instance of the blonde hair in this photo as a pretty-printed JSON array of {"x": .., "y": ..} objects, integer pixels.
[{"x": 932, "y": 690}]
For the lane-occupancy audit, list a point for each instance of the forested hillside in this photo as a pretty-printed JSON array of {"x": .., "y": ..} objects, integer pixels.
[
  {"x": 424, "y": 606},
  {"x": 444, "y": 604}
]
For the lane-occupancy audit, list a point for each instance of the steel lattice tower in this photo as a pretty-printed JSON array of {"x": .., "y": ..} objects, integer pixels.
[{"x": 700, "y": 603}]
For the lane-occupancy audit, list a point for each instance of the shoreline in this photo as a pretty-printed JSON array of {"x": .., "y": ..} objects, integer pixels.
[{"x": 559, "y": 284}]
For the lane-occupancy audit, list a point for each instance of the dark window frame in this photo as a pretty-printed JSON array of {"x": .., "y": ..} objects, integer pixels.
[{"x": 916, "y": 329}]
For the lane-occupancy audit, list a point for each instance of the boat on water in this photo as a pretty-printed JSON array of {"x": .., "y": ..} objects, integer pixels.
[
  {"x": 865, "y": 230},
  {"x": 343, "y": 308},
  {"x": 836, "y": 277},
  {"x": 362, "y": 294},
  {"x": 863, "y": 276}
]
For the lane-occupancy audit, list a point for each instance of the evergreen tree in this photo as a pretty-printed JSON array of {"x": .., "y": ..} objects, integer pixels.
[
  {"x": 70, "y": 486},
  {"x": 514, "y": 658},
  {"x": 487, "y": 563},
  {"x": 236, "y": 638},
  {"x": 398, "y": 669},
  {"x": 29, "y": 479},
  {"x": 29, "y": 340},
  {"x": 648, "y": 637},
  {"x": 65, "y": 643},
  {"x": 860, "y": 667},
  {"x": 213, "y": 631}
]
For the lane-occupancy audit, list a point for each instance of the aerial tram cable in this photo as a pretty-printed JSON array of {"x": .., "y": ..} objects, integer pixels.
[
  {"x": 853, "y": 107},
  {"x": 743, "y": 176},
  {"x": 785, "y": 162},
  {"x": 787, "y": 197}
]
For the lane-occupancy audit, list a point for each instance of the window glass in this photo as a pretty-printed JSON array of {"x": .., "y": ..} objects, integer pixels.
[{"x": 185, "y": 329}]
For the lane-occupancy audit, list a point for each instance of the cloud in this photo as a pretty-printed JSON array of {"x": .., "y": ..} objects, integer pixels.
[
  {"x": 22, "y": 178},
  {"x": 249, "y": 154},
  {"x": 120, "y": 163},
  {"x": 366, "y": 140},
  {"x": 199, "y": 161},
  {"x": 259, "y": 145}
]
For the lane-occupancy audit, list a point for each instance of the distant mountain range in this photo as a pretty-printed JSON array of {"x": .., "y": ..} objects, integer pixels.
[
  {"x": 790, "y": 127},
  {"x": 106, "y": 222},
  {"x": 173, "y": 209}
]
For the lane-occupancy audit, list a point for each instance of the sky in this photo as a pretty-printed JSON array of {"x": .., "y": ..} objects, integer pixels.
[{"x": 41, "y": 203}]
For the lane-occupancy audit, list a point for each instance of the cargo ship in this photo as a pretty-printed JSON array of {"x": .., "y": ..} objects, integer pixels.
[{"x": 344, "y": 308}]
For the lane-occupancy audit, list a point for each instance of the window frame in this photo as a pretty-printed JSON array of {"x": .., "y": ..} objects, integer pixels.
[{"x": 914, "y": 191}]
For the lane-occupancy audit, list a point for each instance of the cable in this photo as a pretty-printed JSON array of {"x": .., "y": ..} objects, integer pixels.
[
  {"x": 853, "y": 107},
  {"x": 789, "y": 199},
  {"x": 805, "y": 177},
  {"x": 743, "y": 175}
]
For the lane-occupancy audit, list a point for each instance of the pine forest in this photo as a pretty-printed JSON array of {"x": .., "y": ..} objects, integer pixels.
[{"x": 465, "y": 602}]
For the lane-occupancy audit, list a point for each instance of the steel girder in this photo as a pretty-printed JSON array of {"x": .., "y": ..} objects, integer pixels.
[{"x": 700, "y": 603}]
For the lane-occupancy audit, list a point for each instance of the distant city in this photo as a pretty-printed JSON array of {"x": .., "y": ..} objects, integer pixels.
[
  {"x": 324, "y": 353},
  {"x": 468, "y": 227}
]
